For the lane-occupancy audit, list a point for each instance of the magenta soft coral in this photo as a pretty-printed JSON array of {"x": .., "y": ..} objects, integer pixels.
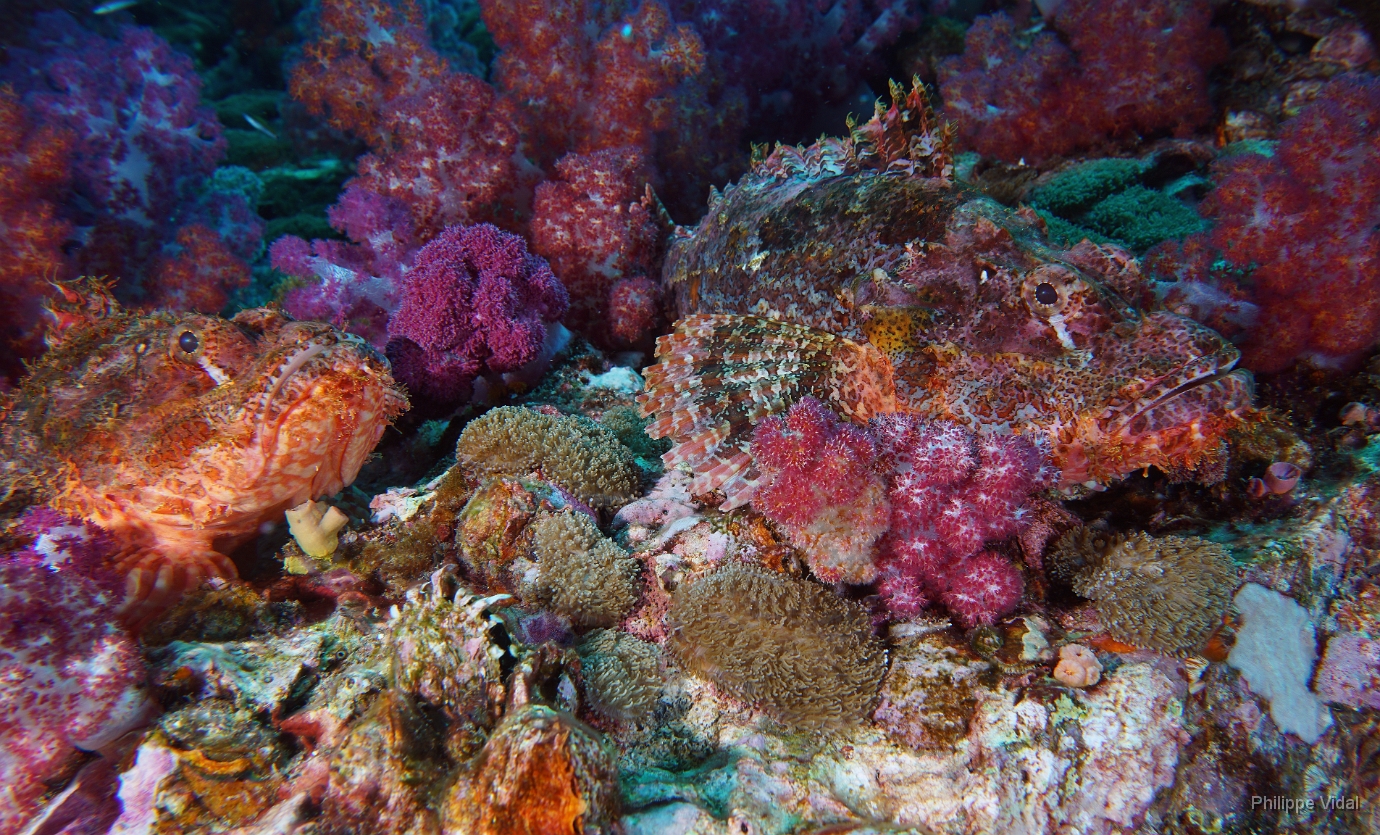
[
  {"x": 819, "y": 484},
  {"x": 1015, "y": 96},
  {"x": 475, "y": 300},
  {"x": 70, "y": 678},
  {"x": 1297, "y": 234},
  {"x": 911, "y": 503}
]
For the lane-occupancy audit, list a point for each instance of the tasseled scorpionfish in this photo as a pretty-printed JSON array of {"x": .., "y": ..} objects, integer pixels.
[
  {"x": 860, "y": 272},
  {"x": 182, "y": 435}
]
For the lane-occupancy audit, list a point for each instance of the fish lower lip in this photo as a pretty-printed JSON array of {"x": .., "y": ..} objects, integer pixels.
[{"x": 1124, "y": 426}]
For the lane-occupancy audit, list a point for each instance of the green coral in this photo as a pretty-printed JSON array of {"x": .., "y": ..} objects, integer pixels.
[
  {"x": 1079, "y": 187},
  {"x": 1142, "y": 217},
  {"x": 582, "y": 457}
]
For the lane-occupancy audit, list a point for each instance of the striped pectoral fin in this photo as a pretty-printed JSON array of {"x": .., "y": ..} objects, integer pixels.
[
  {"x": 156, "y": 578},
  {"x": 716, "y": 376}
]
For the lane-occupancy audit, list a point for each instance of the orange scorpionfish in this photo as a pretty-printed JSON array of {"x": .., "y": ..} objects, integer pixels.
[
  {"x": 182, "y": 435},
  {"x": 859, "y": 272}
]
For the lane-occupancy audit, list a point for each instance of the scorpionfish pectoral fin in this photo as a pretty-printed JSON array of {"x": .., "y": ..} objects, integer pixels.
[
  {"x": 156, "y": 579},
  {"x": 716, "y": 376}
]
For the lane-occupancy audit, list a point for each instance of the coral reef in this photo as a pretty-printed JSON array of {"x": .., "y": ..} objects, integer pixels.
[
  {"x": 818, "y": 482},
  {"x": 788, "y": 647},
  {"x": 575, "y": 453},
  {"x": 1020, "y": 97},
  {"x": 474, "y": 301},
  {"x": 580, "y": 574},
  {"x": 1167, "y": 593}
]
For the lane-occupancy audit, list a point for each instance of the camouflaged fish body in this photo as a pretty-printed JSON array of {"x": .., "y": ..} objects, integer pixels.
[{"x": 859, "y": 272}]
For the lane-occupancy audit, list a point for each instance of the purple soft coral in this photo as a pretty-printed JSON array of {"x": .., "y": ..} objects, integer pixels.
[
  {"x": 144, "y": 143},
  {"x": 474, "y": 300},
  {"x": 70, "y": 678}
]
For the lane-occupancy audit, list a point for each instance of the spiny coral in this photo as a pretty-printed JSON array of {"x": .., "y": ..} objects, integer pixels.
[
  {"x": 542, "y": 771},
  {"x": 575, "y": 453},
  {"x": 622, "y": 674},
  {"x": 819, "y": 483},
  {"x": 475, "y": 300},
  {"x": 1032, "y": 97},
  {"x": 594, "y": 221},
  {"x": 790, "y": 647},
  {"x": 1166, "y": 594},
  {"x": 580, "y": 573}
]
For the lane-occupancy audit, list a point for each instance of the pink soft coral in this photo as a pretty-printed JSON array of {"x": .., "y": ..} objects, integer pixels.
[
  {"x": 952, "y": 493},
  {"x": 1034, "y": 97},
  {"x": 70, "y": 678},
  {"x": 818, "y": 483}
]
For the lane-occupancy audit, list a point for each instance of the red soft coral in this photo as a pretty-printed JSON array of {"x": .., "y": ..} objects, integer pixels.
[
  {"x": 595, "y": 224},
  {"x": 1033, "y": 97},
  {"x": 368, "y": 55},
  {"x": 588, "y": 77},
  {"x": 818, "y": 483},
  {"x": 451, "y": 156},
  {"x": 1297, "y": 235},
  {"x": 33, "y": 173},
  {"x": 197, "y": 272}
]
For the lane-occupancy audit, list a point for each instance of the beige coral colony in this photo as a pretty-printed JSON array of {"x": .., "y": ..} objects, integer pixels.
[{"x": 689, "y": 417}]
